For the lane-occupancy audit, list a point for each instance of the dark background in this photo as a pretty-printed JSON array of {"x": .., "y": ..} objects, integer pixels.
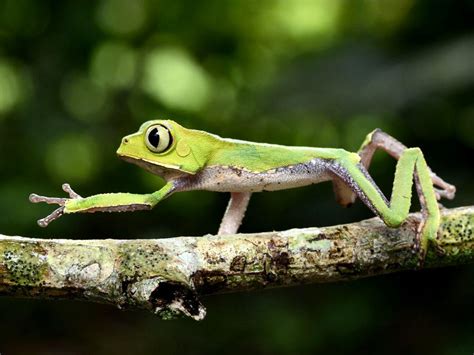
[{"x": 76, "y": 76}]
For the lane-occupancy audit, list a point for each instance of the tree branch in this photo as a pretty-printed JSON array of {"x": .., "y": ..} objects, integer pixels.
[{"x": 167, "y": 276}]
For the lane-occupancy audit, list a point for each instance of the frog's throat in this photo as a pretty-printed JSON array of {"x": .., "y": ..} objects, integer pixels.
[{"x": 162, "y": 169}]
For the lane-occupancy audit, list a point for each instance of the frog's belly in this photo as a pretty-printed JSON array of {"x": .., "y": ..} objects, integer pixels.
[{"x": 232, "y": 179}]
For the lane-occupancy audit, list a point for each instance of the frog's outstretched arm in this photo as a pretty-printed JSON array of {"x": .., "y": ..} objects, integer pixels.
[
  {"x": 378, "y": 139},
  {"x": 116, "y": 202},
  {"x": 410, "y": 166}
]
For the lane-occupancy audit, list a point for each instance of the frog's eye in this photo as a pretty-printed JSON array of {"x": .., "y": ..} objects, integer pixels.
[{"x": 158, "y": 138}]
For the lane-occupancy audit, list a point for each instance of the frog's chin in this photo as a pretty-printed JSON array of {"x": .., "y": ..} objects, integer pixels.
[{"x": 166, "y": 171}]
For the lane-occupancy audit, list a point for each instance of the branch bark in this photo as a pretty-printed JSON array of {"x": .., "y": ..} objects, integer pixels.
[{"x": 167, "y": 276}]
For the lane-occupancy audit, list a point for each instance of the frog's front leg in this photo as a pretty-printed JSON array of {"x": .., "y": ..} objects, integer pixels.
[
  {"x": 234, "y": 213},
  {"x": 112, "y": 202}
]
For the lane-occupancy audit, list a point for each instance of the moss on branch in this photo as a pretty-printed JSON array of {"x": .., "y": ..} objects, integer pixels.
[{"x": 167, "y": 276}]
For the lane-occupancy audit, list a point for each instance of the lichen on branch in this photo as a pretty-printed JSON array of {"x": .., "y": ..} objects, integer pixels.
[{"x": 168, "y": 276}]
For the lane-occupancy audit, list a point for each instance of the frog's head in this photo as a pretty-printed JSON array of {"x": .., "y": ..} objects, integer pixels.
[{"x": 165, "y": 148}]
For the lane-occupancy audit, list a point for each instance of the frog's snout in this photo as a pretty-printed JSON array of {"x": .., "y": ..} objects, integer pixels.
[{"x": 123, "y": 144}]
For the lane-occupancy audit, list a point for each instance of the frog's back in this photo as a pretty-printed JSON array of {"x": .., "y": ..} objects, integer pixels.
[
  {"x": 259, "y": 157},
  {"x": 241, "y": 166}
]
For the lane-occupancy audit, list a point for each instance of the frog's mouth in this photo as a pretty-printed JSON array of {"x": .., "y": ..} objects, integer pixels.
[{"x": 166, "y": 171}]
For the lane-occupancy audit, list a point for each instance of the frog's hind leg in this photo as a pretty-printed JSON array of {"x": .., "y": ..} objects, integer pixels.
[
  {"x": 378, "y": 139},
  {"x": 234, "y": 213},
  {"x": 411, "y": 166}
]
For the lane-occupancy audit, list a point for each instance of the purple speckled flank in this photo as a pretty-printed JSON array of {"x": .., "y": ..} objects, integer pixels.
[
  {"x": 343, "y": 174},
  {"x": 233, "y": 179}
]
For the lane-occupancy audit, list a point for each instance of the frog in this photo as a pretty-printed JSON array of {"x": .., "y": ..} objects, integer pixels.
[{"x": 190, "y": 159}]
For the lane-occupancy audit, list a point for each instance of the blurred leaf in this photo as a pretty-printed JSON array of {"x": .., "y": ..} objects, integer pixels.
[
  {"x": 121, "y": 17},
  {"x": 83, "y": 98},
  {"x": 73, "y": 158},
  {"x": 12, "y": 86},
  {"x": 114, "y": 65},
  {"x": 174, "y": 78}
]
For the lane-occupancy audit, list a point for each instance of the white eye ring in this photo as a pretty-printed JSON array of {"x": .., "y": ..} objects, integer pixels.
[{"x": 158, "y": 138}]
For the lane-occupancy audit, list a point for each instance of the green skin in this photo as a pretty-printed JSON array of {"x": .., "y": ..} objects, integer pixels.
[{"x": 197, "y": 160}]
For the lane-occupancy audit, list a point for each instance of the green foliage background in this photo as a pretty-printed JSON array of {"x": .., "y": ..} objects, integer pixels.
[{"x": 76, "y": 76}]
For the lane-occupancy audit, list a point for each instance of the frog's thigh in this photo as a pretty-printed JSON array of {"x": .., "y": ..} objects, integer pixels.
[{"x": 343, "y": 193}]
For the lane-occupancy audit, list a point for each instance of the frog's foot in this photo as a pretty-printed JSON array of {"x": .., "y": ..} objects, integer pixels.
[
  {"x": 43, "y": 222},
  {"x": 442, "y": 188},
  {"x": 447, "y": 191},
  {"x": 426, "y": 237}
]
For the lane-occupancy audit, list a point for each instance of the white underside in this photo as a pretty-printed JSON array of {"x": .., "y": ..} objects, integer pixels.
[{"x": 231, "y": 179}]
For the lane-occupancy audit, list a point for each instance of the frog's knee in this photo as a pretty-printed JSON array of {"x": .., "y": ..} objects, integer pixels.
[
  {"x": 368, "y": 138},
  {"x": 394, "y": 221},
  {"x": 414, "y": 151}
]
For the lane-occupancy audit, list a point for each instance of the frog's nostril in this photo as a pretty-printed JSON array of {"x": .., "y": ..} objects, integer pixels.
[{"x": 125, "y": 141}]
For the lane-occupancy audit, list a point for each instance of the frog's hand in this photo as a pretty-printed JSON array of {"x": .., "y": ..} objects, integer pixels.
[
  {"x": 54, "y": 200},
  {"x": 114, "y": 202}
]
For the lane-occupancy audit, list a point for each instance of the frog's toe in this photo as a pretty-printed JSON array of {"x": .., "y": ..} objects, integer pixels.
[
  {"x": 35, "y": 198},
  {"x": 43, "y": 222},
  {"x": 448, "y": 192},
  {"x": 72, "y": 194}
]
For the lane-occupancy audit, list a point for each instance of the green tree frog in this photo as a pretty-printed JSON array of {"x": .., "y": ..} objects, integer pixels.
[{"x": 190, "y": 159}]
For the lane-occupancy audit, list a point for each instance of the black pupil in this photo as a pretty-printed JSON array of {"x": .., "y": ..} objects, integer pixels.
[{"x": 154, "y": 137}]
